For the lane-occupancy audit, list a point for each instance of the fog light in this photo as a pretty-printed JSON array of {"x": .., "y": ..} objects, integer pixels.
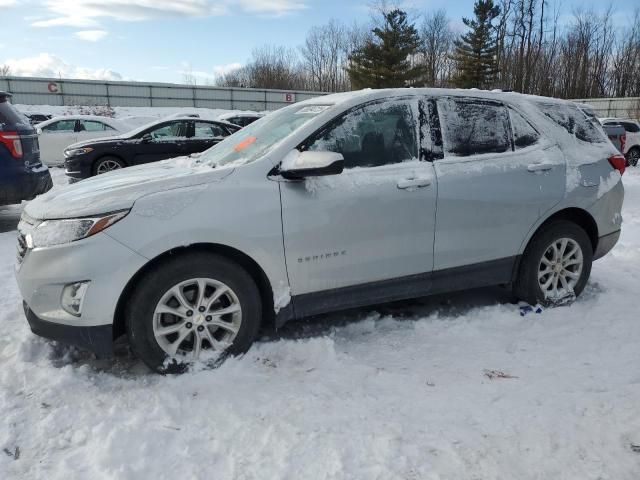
[{"x": 73, "y": 297}]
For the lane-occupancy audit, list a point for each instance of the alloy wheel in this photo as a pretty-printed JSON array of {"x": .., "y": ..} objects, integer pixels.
[
  {"x": 197, "y": 315},
  {"x": 107, "y": 166},
  {"x": 560, "y": 268}
]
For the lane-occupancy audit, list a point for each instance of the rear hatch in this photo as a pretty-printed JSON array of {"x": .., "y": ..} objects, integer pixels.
[{"x": 17, "y": 135}]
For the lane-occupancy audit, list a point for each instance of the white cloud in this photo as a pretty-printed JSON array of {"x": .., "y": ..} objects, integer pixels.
[
  {"x": 47, "y": 65},
  {"x": 224, "y": 69},
  {"x": 8, "y": 3},
  {"x": 91, "y": 35},
  {"x": 86, "y": 13}
]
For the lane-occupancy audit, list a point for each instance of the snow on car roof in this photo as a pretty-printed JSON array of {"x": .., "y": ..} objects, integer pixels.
[{"x": 108, "y": 120}]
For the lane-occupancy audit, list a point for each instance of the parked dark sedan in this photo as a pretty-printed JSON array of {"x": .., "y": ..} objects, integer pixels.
[
  {"x": 149, "y": 143},
  {"x": 22, "y": 175}
]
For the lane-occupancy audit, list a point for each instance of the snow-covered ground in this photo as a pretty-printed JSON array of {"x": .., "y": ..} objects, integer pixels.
[{"x": 452, "y": 387}]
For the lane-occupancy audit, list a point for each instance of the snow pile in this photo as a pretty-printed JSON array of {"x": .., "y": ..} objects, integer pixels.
[{"x": 452, "y": 387}]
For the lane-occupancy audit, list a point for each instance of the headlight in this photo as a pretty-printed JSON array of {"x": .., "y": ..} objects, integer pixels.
[
  {"x": 57, "y": 232},
  {"x": 74, "y": 152}
]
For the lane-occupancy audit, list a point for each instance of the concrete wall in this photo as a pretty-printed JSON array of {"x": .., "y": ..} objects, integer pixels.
[
  {"x": 614, "y": 107},
  {"x": 52, "y": 91}
]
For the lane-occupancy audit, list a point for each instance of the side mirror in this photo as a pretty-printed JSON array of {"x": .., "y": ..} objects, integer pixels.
[
  {"x": 298, "y": 165},
  {"x": 147, "y": 138}
]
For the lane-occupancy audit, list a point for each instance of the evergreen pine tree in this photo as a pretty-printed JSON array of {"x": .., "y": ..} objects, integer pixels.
[
  {"x": 476, "y": 50},
  {"x": 384, "y": 60}
]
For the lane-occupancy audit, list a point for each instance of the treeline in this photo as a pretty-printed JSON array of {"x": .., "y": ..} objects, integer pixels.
[{"x": 519, "y": 45}]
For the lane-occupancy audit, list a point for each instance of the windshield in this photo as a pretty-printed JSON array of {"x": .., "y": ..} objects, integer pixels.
[{"x": 254, "y": 141}]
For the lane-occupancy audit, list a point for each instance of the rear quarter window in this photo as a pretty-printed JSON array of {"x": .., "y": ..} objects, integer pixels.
[{"x": 574, "y": 121}]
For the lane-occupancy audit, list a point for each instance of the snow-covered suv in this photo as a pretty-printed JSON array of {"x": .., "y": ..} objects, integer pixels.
[{"x": 336, "y": 202}]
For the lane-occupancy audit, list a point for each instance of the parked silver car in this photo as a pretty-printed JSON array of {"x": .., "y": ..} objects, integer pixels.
[{"x": 335, "y": 202}]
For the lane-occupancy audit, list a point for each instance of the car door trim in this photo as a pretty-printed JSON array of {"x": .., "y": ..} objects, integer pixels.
[{"x": 493, "y": 272}]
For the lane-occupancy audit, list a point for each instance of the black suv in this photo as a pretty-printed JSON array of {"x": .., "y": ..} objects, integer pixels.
[
  {"x": 22, "y": 175},
  {"x": 149, "y": 143}
]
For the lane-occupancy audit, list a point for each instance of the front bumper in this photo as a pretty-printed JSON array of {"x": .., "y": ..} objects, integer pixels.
[
  {"x": 98, "y": 339},
  {"x": 43, "y": 273},
  {"x": 78, "y": 168}
]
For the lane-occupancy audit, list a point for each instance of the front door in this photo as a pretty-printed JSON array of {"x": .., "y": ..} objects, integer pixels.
[
  {"x": 163, "y": 141},
  {"x": 373, "y": 222}
]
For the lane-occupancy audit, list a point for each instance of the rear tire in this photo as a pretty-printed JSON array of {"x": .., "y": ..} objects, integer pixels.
[
  {"x": 107, "y": 164},
  {"x": 227, "y": 287},
  {"x": 556, "y": 264}
]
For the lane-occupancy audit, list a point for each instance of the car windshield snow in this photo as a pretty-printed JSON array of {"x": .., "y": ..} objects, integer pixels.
[{"x": 255, "y": 140}]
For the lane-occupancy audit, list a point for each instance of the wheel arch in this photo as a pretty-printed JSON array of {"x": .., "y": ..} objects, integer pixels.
[
  {"x": 245, "y": 261},
  {"x": 579, "y": 216}
]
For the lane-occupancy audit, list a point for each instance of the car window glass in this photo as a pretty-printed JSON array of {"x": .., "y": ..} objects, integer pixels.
[
  {"x": 524, "y": 134},
  {"x": 170, "y": 131},
  {"x": 61, "y": 126},
  {"x": 473, "y": 127},
  {"x": 9, "y": 114},
  {"x": 574, "y": 121},
  {"x": 94, "y": 126},
  {"x": 631, "y": 127},
  {"x": 372, "y": 135},
  {"x": 209, "y": 130}
]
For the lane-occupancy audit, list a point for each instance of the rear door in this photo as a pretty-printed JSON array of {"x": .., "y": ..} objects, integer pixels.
[
  {"x": 493, "y": 185},
  {"x": 166, "y": 140},
  {"x": 371, "y": 223},
  {"x": 54, "y": 138}
]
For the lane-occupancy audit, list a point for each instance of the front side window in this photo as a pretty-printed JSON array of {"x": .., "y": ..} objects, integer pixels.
[
  {"x": 169, "y": 131},
  {"x": 524, "y": 135},
  {"x": 208, "y": 130},
  {"x": 61, "y": 126},
  {"x": 372, "y": 135},
  {"x": 474, "y": 126}
]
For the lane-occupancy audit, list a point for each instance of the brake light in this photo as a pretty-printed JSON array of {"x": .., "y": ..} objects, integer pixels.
[
  {"x": 12, "y": 141},
  {"x": 618, "y": 162}
]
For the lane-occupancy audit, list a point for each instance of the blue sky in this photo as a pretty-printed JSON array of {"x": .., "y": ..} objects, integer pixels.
[{"x": 158, "y": 40}]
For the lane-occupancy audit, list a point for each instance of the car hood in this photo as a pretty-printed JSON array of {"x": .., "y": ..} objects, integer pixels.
[{"x": 120, "y": 189}]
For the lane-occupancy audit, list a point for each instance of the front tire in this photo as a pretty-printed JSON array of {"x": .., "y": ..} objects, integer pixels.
[
  {"x": 556, "y": 264},
  {"x": 107, "y": 164},
  {"x": 191, "y": 304}
]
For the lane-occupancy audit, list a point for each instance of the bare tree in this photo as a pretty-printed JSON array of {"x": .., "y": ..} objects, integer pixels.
[
  {"x": 437, "y": 43},
  {"x": 5, "y": 70},
  {"x": 324, "y": 57}
]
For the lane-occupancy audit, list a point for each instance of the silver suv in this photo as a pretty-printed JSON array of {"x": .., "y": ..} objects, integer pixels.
[{"x": 336, "y": 202}]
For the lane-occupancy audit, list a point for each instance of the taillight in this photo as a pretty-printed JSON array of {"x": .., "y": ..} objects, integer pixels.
[
  {"x": 12, "y": 141},
  {"x": 618, "y": 162}
]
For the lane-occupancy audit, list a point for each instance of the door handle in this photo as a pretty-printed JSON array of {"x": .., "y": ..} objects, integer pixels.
[
  {"x": 539, "y": 167},
  {"x": 414, "y": 183}
]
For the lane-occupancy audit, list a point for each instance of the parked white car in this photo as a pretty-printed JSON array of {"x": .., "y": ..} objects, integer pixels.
[
  {"x": 58, "y": 133},
  {"x": 632, "y": 142}
]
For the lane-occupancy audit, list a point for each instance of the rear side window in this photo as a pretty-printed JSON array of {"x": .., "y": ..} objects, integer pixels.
[
  {"x": 93, "y": 126},
  {"x": 209, "y": 130},
  {"x": 474, "y": 127},
  {"x": 574, "y": 121},
  {"x": 524, "y": 134},
  {"x": 9, "y": 114},
  {"x": 630, "y": 127}
]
